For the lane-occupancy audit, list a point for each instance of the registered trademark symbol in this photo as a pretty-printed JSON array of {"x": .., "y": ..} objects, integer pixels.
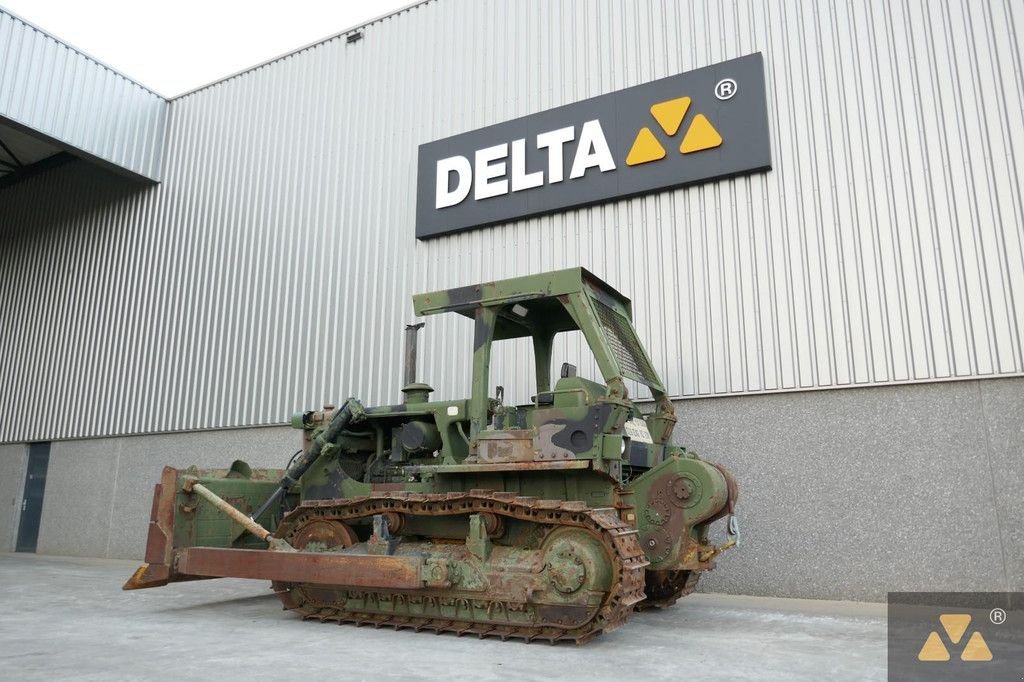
[
  {"x": 725, "y": 89},
  {"x": 997, "y": 616}
]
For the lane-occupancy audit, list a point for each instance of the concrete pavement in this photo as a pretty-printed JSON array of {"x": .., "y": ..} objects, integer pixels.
[{"x": 68, "y": 618}]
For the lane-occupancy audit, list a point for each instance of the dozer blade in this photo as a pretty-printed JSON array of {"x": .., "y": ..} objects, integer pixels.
[
  {"x": 179, "y": 521},
  {"x": 356, "y": 570},
  {"x": 160, "y": 541}
]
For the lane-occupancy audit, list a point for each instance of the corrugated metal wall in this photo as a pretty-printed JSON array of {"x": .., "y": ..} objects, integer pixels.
[
  {"x": 68, "y": 96},
  {"x": 272, "y": 268}
]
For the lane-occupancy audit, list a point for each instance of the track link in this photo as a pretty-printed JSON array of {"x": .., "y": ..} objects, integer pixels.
[
  {"x": 474, "y": 613},
  {"x": 665, "y": 588}
]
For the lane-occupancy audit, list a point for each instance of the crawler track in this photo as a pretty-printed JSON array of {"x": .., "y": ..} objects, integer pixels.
[{"x": 485, "y": 614}]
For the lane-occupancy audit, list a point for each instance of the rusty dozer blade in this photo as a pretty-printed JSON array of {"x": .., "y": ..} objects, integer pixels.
[
  {"x": 174, "y": 527},
  {"x": 166, "y": 563},
  {"x": 160, "y": 540},
  {"x": 355, "y": 570},
  {"x": 186, "y": 514}
]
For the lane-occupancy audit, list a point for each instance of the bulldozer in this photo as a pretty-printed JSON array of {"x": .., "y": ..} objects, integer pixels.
[{"x": 552, "y": 520}]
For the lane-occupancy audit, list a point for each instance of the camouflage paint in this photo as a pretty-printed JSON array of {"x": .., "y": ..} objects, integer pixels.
[{"x": 531, "y": 510}]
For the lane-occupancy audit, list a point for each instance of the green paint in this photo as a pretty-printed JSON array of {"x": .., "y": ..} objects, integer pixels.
[{"x": 577, "y": 442}]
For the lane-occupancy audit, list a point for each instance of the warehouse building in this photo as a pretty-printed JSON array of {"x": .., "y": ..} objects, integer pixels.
[{"x": 824, "y": 246}]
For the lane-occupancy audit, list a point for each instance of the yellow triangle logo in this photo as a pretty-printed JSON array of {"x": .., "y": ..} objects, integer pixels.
[
  {"x": 701, "y": 135},
  {"x": 669, "y": 114},
  {"x": 645, "y": 148},
  {"x": 933, "y": 649},
  {"x": 976, "y": 649},
  {"x": 955, "y": 625}
]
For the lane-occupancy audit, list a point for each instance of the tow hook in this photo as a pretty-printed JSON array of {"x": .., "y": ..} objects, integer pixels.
[{"x": 732, "y": 539}]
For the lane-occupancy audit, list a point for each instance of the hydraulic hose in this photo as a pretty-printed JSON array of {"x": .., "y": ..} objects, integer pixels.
[{"x": 301, "y": 464}]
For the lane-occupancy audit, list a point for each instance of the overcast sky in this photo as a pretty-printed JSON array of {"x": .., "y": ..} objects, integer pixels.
[{"x": 172, "y": 46}]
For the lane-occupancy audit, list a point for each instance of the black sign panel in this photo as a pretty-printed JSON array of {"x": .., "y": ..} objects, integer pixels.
[
  {"x": 692, "y": 127},
  {"x": 936, "y": 636}
]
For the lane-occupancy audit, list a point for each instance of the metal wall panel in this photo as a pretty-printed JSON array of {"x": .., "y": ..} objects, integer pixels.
[
  {"x": 53, "y": 89},
  {"x": 272, "y": 269}
]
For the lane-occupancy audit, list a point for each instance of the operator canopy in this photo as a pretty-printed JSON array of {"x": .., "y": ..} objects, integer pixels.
[{"x": 543, "y": 305}]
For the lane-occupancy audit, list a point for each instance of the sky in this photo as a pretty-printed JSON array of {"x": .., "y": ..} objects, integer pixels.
[{"x": 173, "y": 46}]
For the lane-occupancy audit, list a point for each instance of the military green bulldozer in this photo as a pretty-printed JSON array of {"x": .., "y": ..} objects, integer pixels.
[{"x": 552, "y": 520}]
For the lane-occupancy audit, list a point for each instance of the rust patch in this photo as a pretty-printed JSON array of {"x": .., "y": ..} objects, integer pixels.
[
  {"x": 157, "y": 569},
  {"x": 507, "y": 446},
  {"x": 568, "y": 615},
  {"x": 326, "y": 533},
  {"x": 734, "y": 494},
  {"x": 360, "y": 570}
]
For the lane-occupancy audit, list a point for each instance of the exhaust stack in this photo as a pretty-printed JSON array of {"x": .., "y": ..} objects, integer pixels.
[{"x": 411, "y": 338}]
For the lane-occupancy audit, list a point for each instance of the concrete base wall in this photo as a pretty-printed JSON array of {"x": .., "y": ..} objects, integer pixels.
[
  {"x": 845, "y": 494},
  {"x": 849, "y": 494},
  {"x": 13, "y": 463}
]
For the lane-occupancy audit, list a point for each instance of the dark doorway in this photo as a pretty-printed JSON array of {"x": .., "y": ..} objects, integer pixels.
[{"x": 32, "y": 501}]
